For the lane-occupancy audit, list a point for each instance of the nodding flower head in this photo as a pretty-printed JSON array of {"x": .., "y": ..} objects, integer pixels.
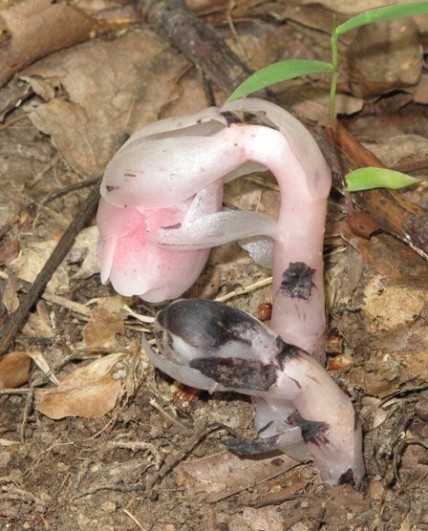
[
  {"x": 299, "y": 408},
  {"x": 162, "y": 170}
]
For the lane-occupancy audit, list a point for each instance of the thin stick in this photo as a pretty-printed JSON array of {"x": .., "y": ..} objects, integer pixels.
[
  {"x": 19, "y": 317},
  {"x": 243, "y": 291}
]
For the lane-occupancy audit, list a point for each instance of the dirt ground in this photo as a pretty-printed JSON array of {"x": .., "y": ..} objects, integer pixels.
[{"x": 91, "y": 436}]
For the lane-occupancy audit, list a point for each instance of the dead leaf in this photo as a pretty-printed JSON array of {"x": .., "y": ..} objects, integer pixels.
[
  {"x": 100, "y": 333},
  {"x": 85, "y": 251},
  {"x": 222, "y": 474},
  {"x": 311, "y": 103},
  {"x": 36, "y": 28},
  {"x": 420, "y": 94},
  {"x": 385, "y": 57},
  {"x": 139, "y": 74},
  {"x": 39, "y": 323},
  {"x": 14, "y": 370},
  {"x": 30, "y": 262},
  {"x": 90, "y": 391},
  {"x": 43, "y": 365},
  {"x": 362, "y": 224},
  {"x": 388, "y": 306},
  {"x": 400, "y": 149},
  {"x": 9, "y": 251},
  {"x": 10, "y": 298}
]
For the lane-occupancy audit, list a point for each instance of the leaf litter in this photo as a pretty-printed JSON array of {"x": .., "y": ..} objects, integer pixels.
[{"x": 94, "y": 424}]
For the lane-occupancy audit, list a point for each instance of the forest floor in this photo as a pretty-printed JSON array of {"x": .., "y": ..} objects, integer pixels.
[{"x": 92, "y": 437}]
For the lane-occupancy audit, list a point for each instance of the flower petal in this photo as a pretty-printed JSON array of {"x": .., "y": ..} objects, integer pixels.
[{"x": 215, "y": 229}]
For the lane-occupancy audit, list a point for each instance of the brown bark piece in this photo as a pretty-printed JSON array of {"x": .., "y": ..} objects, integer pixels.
[
  {"x": 198, "y": 42},
  {"x": 394, "y": 212}
]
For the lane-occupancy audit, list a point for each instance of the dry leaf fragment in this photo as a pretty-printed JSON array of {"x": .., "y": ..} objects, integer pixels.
[
  {"x": 100, "y": 332},
  {"x": 89, "y": 125},
  {"x": 9, "y": 251},
  {"x": 385, "y": 57},
  {"x": 90, "y": 391},
  {"x": 43, "y": 365},
  {"x": 39, "y": 324},
  {"x": 85, "y": 251},
  {"x": 32, "y": 259},
  {"x": 10, "y": 298},
  {"x": 14, "y": 370},
  {"x": 36, "y": 28},
  {"x": 223, "y": 473}
]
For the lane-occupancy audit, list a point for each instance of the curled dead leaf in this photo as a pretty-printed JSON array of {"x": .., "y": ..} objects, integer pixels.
[
  {"x": 90, "y": 391},
  {"x": 14, "y": 370}
]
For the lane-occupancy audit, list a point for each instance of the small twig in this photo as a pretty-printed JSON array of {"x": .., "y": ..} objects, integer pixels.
[
  {"x": 201, "y": 431},
  {"x": 27, "y": 409},
  {"x": 134, "y": 519},
  {"x": 248, "y": 289},
  {"x": 20, "y": 391},
  {"x": 166, "y": 415},
  {"x": 39, "y": 175},
  {"x": 61, "y": 250},
  {"x": 215, "y": 497},
  {"x": 67, "y": 189}
]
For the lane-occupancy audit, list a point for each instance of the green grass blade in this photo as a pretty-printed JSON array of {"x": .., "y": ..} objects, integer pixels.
[
  {"x": 278, "y": 72},
  {"x": 371, "y": 177},
  {"x": 381, "y": 14}
]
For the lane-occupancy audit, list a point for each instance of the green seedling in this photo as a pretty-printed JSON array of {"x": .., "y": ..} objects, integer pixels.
[
  {"x": 372, "y": 177},
  {"x": 293, "y": 68}
]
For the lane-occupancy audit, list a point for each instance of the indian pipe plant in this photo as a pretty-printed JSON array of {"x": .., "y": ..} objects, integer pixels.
[
  {"x": 161, "y": 212},
  {"x": 160, "y": 207}
]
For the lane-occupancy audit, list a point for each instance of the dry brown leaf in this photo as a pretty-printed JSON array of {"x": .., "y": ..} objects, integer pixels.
[
  {"x": 30, "y": 262},
  {"x": 10, "y": 298},
  {"x": 311, "y": 103},
  {"x": 90, "y": 391},
  {"x": 139, "y": 74},
  {"x": 33, "y": 257},
  {"x": 39, "y": 323},
  {"x": 9, "y": 251},
  {"x": 14, "y": 370},
  {"x": 39, "y": 359},
  {"x": 224, "y": 473},
  {"x": 388, "y": 306},
  {"x": 35, "y": 28},
  {"x": 420, "y": 94},
  {"x": 100, "y": 333},
  {"x": 385, "y": 57},
  {"x": 399, "y": 150}
]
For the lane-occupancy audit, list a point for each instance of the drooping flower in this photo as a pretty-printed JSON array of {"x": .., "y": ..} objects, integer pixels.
[
  {"x": 167, "y": 163},
  {"x": 299, "y": 408}
]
